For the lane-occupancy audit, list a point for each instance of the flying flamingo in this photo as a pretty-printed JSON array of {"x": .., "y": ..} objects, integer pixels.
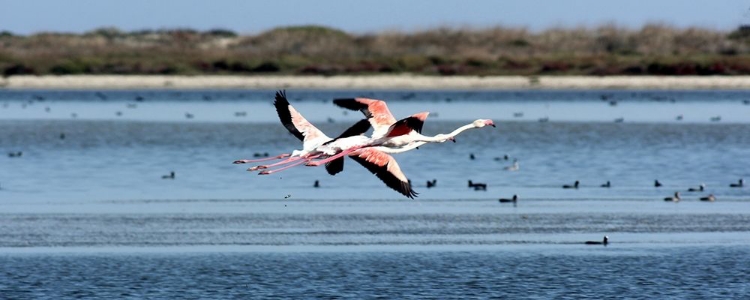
[
  {"x": 311, "y": 138},
  {"x": 393, "y": 136},
  {"x": 418, "y": 141},
  {"x": 372, "y": 153}
]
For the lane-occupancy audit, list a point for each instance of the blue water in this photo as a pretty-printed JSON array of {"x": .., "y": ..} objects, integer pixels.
[{"x": 93, "y": 212}]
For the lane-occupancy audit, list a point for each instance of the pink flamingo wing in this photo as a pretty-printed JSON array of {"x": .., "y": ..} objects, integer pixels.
[
  {"x": 294, "y": 121},
  {"x": 406, "y": 125},
  {"x": 385, "y": 168},
  {"x": 376, "y": 110}
]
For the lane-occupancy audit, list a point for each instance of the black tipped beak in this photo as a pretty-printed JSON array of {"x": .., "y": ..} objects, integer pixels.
[
  {"x": 453, "y": 139},
  {"x": 493, "y": 125}
]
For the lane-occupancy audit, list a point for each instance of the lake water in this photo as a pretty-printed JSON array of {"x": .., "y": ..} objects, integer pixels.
[{"x": 89, "y": 215}]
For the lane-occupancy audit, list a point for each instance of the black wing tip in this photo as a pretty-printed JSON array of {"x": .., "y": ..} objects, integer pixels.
[
  {"x": 362, "y": 126},
  {"x": 349, "y": 103},
  {"x": 410, "y": 193},
  {"x": 280, "y": 99},
  {"x": 415, "y": 123},
  {"x": 407, "y": 190},
  {"x": 281, "y": 94},
  {"x": 412, "y": 123},
  {"x": 282, "y": 109}
]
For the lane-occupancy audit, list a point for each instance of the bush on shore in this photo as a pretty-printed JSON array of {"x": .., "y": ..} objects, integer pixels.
[{"x": 607, "y": 50}]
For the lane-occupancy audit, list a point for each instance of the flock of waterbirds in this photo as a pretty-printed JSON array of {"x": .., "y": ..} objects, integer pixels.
[
  {"x": 331, "y": 162},
  {"x": 138, "y": 98}
]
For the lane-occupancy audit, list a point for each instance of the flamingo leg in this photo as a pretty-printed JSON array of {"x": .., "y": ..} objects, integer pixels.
[
  {"x": 267, "y": 172},
  {"x": 326, "y": 160},
  {"x": 283, "y": 162},
  {"x": 245, "y": 161}
]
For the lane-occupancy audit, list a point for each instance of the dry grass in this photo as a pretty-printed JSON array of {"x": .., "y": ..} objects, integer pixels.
[{"x": 606, "y": 50}]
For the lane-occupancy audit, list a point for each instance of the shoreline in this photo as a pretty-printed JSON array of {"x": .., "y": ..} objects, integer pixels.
[{"x": 380, "y": 82}]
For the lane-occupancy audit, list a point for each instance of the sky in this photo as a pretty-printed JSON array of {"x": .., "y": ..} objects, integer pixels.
[{"x": 251, "y": 17}]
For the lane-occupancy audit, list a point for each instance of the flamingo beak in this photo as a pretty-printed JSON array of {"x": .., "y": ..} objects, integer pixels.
[
  {"x": 453, "y": 139},
  {"x": 489, "y": 123}
]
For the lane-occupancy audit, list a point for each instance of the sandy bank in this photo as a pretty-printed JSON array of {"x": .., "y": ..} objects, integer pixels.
[{"x": 374, "y": 82}]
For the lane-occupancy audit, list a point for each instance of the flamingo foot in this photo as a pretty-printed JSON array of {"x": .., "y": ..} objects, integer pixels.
[
  {"x": 313, "y": 164},
  {"x": 256, "y": 168},
  {"x": 244, "y": 161}
]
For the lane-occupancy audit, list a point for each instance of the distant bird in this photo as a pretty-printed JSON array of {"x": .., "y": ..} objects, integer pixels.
[
  {"x": 505, "y": 157},
  {"x": 118, "y": 113},
  {"x": 431, "y": 183},
  {"x": 619, "y": 120},
  {"x": 131, "y": 105},
  {"x": 657, "y": 183},
  {"x": 739, "y": 183},
  {"x": 139, "y": 98},
  {"x": 606, "y": 185},
  {"x": 518, "y": 114},
  {"x": 710, "y": 198},
  {"x": 699, "y": 189},
  {"x": 478, "y": 186},
  {"x": 15, "y": 154},
  {"x": 716, "y": 119},
  {"x": 471, "y": 156},
  {"x": 613, "y": 103},
  {"x": 514, "y": 167},
  {"x": 679, "y": 117},
  {"x": 170, "y": 176},
  {"x": 544, "y": 120},
  {"x": 604, "y": 242},
  {"x": 506, "y": 200},
  {"x": 574, "y": 186},
  {"x": 74, "y": 115},
  {"x": 47, "y": 109},
  {"x": 316, "y": 184},
  {"x": 746, "y": 102},
  {"x": 259, "y": 154},
  {"x": 676, "y": 197},
  {"x": 62, "y": 136},
  {"x": 189, "y": 115},
  {"x": 240, "y": 114}
]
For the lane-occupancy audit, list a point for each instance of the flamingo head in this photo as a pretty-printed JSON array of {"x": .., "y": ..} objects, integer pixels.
[{"x": 479, "y": 123}]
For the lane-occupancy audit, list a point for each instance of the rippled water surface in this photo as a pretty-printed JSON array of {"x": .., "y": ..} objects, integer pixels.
[{"x": 86, "y": 201}]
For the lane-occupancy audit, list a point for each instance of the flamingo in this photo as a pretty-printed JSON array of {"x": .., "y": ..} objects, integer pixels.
[
  {"x": 402, "y": 144},
  {"x": 311, "y": 138},
  {"x": 391, "y": 136}
]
